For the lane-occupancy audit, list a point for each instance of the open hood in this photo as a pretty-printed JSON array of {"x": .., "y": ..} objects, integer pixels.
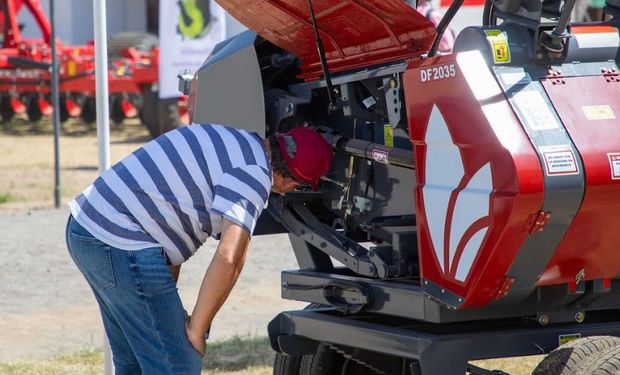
[{"x": 355, "y": 33}]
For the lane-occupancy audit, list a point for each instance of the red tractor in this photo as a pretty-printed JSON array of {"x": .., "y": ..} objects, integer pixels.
[
  {"x": 25, "y": 66},
  {"x": 472, "y": 208}
]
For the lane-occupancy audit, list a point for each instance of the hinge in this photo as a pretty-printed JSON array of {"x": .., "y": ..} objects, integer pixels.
[{"x": 537, "y": 221}]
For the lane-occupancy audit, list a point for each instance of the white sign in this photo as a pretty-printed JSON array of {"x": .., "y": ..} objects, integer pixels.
[
  {"x": 535, "y": 110},
  {"x": 614, "y": 163},
  {"x": 188, "y": 31},
  {"x": 559, "y": 160}
]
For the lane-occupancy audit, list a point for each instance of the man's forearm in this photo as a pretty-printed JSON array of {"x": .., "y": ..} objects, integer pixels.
[
  {"x": 219, "y": 278},
  {"x": 175, "y": 270}
]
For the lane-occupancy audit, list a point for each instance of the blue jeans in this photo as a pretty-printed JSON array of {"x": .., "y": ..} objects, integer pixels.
[{"x": 141, "y": 309}]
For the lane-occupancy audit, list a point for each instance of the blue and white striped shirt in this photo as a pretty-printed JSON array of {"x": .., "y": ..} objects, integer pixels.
[{"x": 174, "y": 191}]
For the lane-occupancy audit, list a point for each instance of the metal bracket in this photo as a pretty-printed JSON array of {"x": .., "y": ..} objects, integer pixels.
[{"x": 327, "y": 240}]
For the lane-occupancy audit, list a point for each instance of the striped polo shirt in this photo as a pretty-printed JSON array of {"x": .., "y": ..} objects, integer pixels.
[{"x": 174, "y": 191}]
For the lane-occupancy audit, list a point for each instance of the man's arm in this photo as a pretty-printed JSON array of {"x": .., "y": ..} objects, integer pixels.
[
  {"x": 175, "y": 271},
  {"x": 218, "y": 281}
]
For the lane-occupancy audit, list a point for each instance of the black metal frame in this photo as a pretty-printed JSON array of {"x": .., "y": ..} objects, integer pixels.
[
  {"x": 371, "y": 311},
  {"x": 434, "y": 349}
]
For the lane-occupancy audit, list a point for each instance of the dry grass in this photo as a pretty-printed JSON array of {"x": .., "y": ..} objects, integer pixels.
[
  {"x": 27, "y": 160},
  {"x": 238, "y": 356}
]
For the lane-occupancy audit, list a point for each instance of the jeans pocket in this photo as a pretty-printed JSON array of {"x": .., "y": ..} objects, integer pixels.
[
  {"x": 94, "y": 259},
  {"x": 153, "y": 273}
]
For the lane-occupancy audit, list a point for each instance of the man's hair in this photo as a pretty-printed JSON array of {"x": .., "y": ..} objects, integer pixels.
[{"x": 277, "y": 162}]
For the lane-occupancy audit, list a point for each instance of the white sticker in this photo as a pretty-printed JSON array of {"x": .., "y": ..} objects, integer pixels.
[
  {"x": 369, "y": 102},
  {"x": 559, "y": 160},
  {"x": 614, "y": 163},
  {"x": 380, "y": 156},
  {"x": 598, "y": 112},
  {"x": 536, "y": 113}
]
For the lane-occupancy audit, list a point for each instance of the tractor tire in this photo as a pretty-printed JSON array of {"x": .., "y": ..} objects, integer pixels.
[
  {"x": 608, "y": 363},
  {"x": 286, "y": 365},
  {"x": 141, "y": 41},
  {"x": 32, "y": 109},
  {"x": 6, "y": 110},
  {"x": 89, "y": 111},
  {"x": 63, "y": 115},
  {"x": 571, "y": 358},
  {"x": 325, "y": 361},
  {"x": 159, "y": 115},
  {"x": 116, "y": 110}
]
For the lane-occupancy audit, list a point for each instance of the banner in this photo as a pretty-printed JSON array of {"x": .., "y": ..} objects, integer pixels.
[{"x": 188, "y": 31}]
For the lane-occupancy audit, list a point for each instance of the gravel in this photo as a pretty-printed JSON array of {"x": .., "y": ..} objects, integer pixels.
[{"x": 46, "y": 307}]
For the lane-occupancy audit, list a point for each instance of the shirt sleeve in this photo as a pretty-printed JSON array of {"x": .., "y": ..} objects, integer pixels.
[{"x": 240, "y": 195}]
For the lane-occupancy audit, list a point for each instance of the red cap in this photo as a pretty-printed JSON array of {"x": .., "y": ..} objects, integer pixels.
[{"x": 306, "y": 154}]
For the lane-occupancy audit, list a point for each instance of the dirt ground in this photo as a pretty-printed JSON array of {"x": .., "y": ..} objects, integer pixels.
[{"x": 46, "y": 307}]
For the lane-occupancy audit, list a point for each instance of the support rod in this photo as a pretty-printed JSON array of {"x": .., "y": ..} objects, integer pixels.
[
  {"x": 372, "y": 151},
  {"x": 56, "y": 105}
]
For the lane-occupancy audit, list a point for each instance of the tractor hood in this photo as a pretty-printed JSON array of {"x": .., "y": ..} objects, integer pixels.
[{"x": 355, "y": 33}]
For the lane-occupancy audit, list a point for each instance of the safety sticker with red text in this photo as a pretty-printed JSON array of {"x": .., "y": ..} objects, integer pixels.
[
  {"x": 559, "y": 160},
  {"x": 614, "y": 163}
]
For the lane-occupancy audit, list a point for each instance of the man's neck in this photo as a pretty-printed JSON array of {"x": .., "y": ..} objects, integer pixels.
[{"x": 267, "y": 148}]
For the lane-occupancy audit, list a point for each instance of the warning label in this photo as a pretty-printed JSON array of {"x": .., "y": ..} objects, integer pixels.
[
  {"x": 598, "y": 112},
  {"x": 559, "y": 160},
  {"x": 499, "y": 44},
  {"x": 388, "y": 135},
  {"x": 380, "y": 156},
  {"x": 614, "y": 163}
]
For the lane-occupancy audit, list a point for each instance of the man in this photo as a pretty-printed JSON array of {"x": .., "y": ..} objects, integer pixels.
[
  {"x": 425, "y": 8},
  {"x": 130, "y": 231}
]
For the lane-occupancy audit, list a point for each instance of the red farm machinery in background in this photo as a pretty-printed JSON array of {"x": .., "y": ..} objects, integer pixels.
[{"x": 133, "y": 75}]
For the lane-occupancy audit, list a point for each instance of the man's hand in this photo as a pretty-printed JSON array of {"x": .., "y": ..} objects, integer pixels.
[
  {"x": 219, "y": 280},
  {"x": 196, "y": 339}
]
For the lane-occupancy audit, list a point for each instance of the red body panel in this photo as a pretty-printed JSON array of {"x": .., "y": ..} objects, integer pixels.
[
  {"x": 483, "y": 133},
  {"x": 355, "y": 33},
  {"x": 590, "y": 110}
]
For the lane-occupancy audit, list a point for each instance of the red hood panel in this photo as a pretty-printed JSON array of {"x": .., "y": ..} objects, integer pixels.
[{"x": 354, "y": 33}]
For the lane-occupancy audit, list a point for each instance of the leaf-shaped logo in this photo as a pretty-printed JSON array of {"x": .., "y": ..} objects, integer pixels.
[{"x": 449, "y": 208}]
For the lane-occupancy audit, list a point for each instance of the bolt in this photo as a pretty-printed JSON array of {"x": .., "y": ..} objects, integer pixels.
[
  {"x": 323, "y": 245},
  {"x": 302, "y": 232},
  {"x": 285, "y": 285},
  {"x": 580, "y": 317},
  {"x": 543, "y": 320}
]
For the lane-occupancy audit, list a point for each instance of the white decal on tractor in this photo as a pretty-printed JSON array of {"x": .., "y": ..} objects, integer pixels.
[
  {"x": 444, "y": 172},
  {"x": 436, "y": 73}
]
